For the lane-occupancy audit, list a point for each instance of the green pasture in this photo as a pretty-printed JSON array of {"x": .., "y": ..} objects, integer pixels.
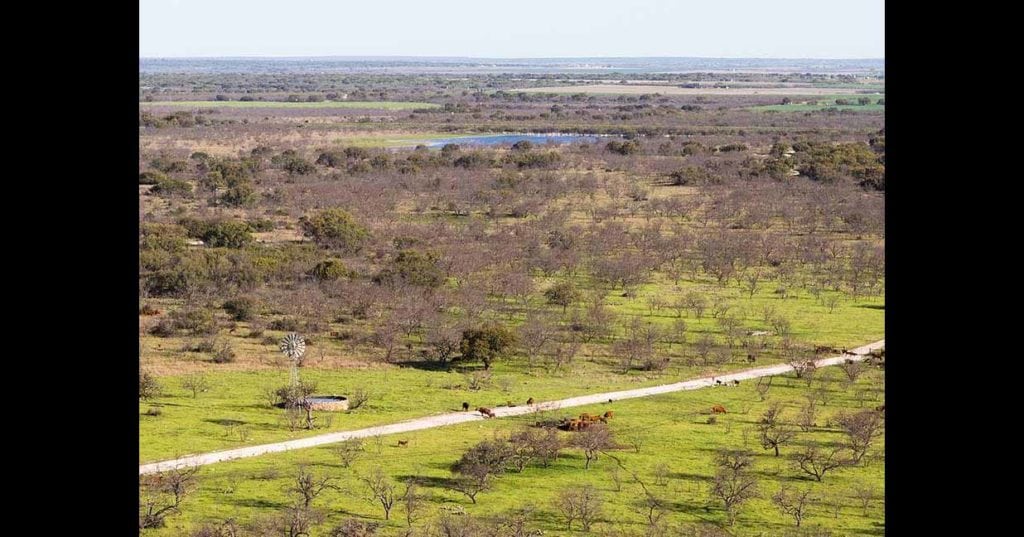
[
  {"x": 671, "y": 429},
  {"x": 815, "y": 103},
  {"x": 236, "y": 411}
]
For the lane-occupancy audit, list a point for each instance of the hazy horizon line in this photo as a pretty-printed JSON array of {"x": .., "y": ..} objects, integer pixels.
[{"x": 267, "y": 56}]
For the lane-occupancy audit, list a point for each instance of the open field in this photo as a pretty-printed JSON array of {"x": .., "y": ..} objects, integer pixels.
[
  {"x": 235, "y": 411},
  {"x": 821, "y": 103},
  {"x": 672, "y": 429},
  {"x": 638, "y": 89},
  {"x": 383, "y": 105}
]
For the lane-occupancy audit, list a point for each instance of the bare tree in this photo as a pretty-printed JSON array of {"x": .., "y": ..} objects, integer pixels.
[
  {"x": 733, "y": 483},
  {"x": 478, "y": 467},
  {"x": 161, "y": 494},
  {"x": 382, "y": 490},
  {"x": 307, "y": 486},
  {"x": 752, "y": 279},
  {"x": 802, "y": 367},
  {"x": 653, "y": 510},
  {"x": 696, "y": 303},
  {"x": 808, "y": 414},
  {"x": 661, "y": 472},
  {"x": 852, "y": 370},
  {"x": 592, "y": 440},
  {"x": 616, "y": 477},
  {"x": 816, "y": 460},
  {"x": 358, "y": 398},
  {"x": 564, "y": 353},
  {"x": 865, "y": 493},
  {"x": 861, "y": 429},
  {"x": 793, "y": 503},
  {"x": 196, "y": 383},
  {"x": 637, "y": 442},
  {"x": 773, "y": 431},
  {"x": 350, "y": 450},
  {"x": 763, "y": 385},
  {"x": 580, "y": 503},
  {"x": 444, "y": 342},
  {"x": 412, "y": 500},
  {"x": 536, "y": 332}
]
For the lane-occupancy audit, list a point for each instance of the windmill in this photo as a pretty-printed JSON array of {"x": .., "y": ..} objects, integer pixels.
[{"x": 293, "y": 346}]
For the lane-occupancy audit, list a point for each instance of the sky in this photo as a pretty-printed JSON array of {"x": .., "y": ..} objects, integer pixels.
[{"x": 513, "y": 28}]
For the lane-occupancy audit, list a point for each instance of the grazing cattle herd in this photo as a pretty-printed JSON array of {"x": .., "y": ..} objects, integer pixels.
[{"x": 583, "y": 421}]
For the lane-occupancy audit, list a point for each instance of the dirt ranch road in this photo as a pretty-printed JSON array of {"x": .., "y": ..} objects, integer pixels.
[{"x": 860, "y": 353}]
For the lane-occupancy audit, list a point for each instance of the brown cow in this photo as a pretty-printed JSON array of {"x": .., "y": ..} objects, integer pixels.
[
  {"x": 718, "y": 409},
  {"x": 609, "y": 414},
  {"x": 488, "y": 413},
  {"x": 880, "y": 408},
  {"x": 529, "y": 401},
  {"x": 403, "y": 443}
]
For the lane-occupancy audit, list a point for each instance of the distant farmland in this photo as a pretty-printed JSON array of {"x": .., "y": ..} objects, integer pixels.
[
  {"x": 384, "y": 105},
  {"x": 638, "y": 89},
  {"x": 812, "y": 105}
]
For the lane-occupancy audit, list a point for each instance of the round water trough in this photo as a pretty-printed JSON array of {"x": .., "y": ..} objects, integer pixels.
[{"x": 328, "y": 402}]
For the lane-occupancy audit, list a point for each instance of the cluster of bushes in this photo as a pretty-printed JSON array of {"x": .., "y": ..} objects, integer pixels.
[
  {"x": 219, "y": 233},
  {"x": 693, "y": 175},
  {"x": 194, "y": 320},
  {"x": 826, "y": 162},
  {"x": 627, "y": 147},
  {"x": 175, "y": 273},
  {"x": 412, "y": 267},
  {"x": 177, "y": 119},
  {"x": 533, "y": 159}
]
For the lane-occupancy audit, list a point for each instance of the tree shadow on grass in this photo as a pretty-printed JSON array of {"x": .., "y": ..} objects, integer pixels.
[
  {"x": 258, "y": 503},
  {"x": 425, "y": 365},
  {"x": 428, "y": 481},
  {"x": 225, "y": 422},
  {"x": 873, "y": 306}
]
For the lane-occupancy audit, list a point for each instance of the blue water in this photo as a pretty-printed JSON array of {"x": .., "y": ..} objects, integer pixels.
[{"x": 509, "y": 139}]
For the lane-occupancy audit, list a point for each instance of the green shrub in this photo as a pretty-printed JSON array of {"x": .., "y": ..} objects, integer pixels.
[
  {"x": 331, "y": 269},
  {"x": 164, "y": 328},
  {"x": 195, "y": 320},
  {"x": 627, "y": 147},
  {"x": 286, "y": 324},
  {"x": 173, "y": 188},
  {"x": 227, "y": 234},
  {"x": 165, "y": 237},
  {"x": 241, "y": 309},
  {"x": 414, "y": 268},
  {"x": 334, "y": 228},
  {"x": 261, "y": 225},
  {"x": 218, "y": 233},
  {"x": 562, "y": 294},
  {"x": 224, "y": 354},
  {"x": 691, "y": 175},
  {"x": 169, "y": 165},
  {"x": 151, "y": 177},
  {"x": 486, "y": 344},
  {"x": 473, "y": 160},
  {"x": 148, "y": 385}
]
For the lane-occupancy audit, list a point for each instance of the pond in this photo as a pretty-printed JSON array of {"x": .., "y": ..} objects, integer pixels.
[{"x": 509, "y": 139}]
